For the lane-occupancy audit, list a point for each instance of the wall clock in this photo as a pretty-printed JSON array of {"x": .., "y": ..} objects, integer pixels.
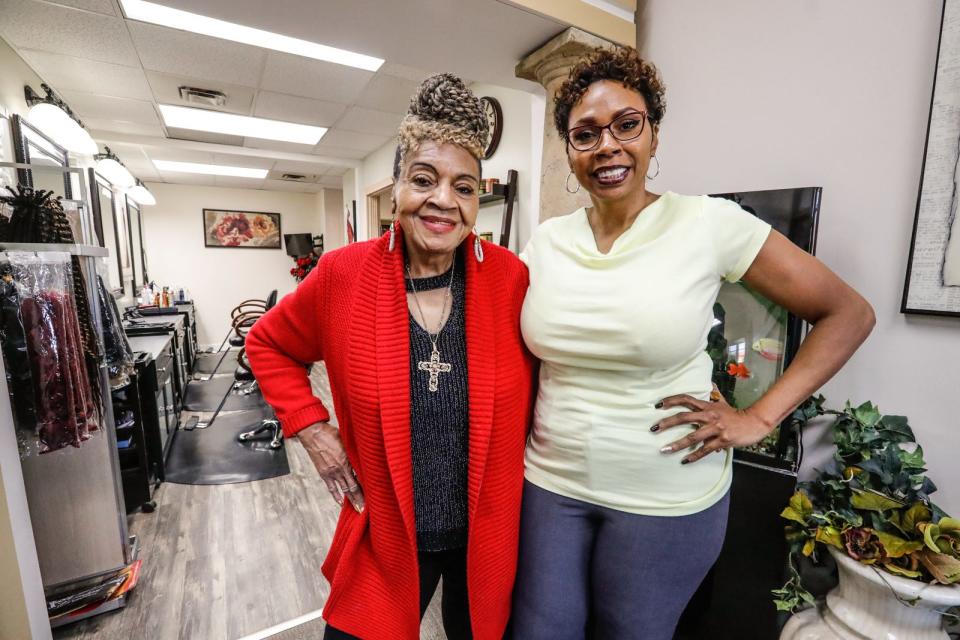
[{"x": 491, "y": 106}]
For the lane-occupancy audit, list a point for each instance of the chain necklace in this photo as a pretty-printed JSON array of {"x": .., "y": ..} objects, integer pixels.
[{"x": 434, "y": 366}]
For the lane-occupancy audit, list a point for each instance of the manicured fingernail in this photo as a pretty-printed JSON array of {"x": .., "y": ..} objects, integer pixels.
[
  {"x": 358, "y": 509},
  {"x": 684, "y": 461},
  {"x": 666, "y": 449},
  {"x": 655, "y": 428},
  {"x": 659, "y": 405}
]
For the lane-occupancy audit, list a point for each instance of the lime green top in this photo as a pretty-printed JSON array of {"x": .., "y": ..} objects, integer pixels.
[{"x": 618, "y": 332}]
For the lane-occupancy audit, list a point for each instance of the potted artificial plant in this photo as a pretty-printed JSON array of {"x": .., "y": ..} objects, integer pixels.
[{"x": 897, "y": 553}]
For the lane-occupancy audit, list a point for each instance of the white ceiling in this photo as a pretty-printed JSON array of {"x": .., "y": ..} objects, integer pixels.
[{"x": 113, "y": 72}]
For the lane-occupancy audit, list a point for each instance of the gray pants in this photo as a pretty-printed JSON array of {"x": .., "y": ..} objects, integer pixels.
[{"x": 588, "y": 571}]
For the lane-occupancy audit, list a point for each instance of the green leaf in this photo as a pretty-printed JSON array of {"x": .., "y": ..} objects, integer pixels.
[
  {"x": 895, "y": 546},
  {"x": 912, "y": 459},
  {"x": 945, "y": 569},
  {"x": 907, "y": 573},
  {"x": 917, "y": 513},
  {"x": 951, "y": 525},
  {"x": 873, "y": 501},
  {"x": 830, "y": 536},
  {"x": 799, "y": 508},
  {"x": 867, "y": 414},
  {"x": 898, "y": 428}
]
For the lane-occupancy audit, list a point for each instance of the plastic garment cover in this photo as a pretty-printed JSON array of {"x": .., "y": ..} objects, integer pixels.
[
  {"x": 64, "y": 406},
  {"x": 115, "y": 344}
]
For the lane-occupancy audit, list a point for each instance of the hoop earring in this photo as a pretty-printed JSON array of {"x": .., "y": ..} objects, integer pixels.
[
  {"x": 651, "y": 177},
  {"x": 477, "y": 248},
  {"x": 566, "y": 184},
  {"x": 393, "y": 234}
]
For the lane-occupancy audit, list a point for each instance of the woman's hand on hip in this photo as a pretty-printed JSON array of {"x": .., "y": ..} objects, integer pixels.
[
  {"x": 719, "y": 426},
  {"x": 323, "y": 445}
]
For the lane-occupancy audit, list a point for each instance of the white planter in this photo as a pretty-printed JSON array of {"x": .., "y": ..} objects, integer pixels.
[{"x": 863, "y": 607}]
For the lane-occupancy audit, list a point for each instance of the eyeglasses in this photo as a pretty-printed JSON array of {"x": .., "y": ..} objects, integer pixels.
[{"x": 626, "y": 127}]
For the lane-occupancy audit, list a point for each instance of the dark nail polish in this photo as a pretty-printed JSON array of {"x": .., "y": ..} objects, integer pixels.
[
  {"x": 659, "y": 405},
  {"x": 684, "y": 461},
  {"x": 655, "y": 428}
]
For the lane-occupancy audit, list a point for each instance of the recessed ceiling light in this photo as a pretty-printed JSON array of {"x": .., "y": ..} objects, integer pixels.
[
  {"x": 210, "y": 169},
  {"x": 196, "y": 23},
  {"x": 236, "y": 125}
]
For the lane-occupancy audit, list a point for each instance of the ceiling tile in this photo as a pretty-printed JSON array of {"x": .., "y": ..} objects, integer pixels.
[
  {"x": 68, "y": 73},
  {"x": 331, "y": 181},
  {"x": 196, "y": 56},
  {"x": 205, "y": 136},
  {"x": 98, "y": 126},
  {"x": 98, "y": 6},
  {"x": 365, "y": 142},
  {"x": 339, "y": 152},
  {"x": 241, "y": 183},
  {"x": 243, "y": 161},
  {"x": 58, "y": 29},
  {"x": 291, "y": 166},
  {"x": 180, "y": 155},
  {"x": 89, "y": 105},
  {"x": 281, "y": 106},
  {"x": 285, "y": 73},
  {"x": 388, "y": 93},
  {"x": 275, "y": 145},
  {"x": 335, "y": 171},
  {"x": 166, "y": 88},
  {"x": 188, "y": 178},
  {"x": 412, "y": 74},
  {"x": 370, "y": 121},
  {"x": 286, "y": 185}
]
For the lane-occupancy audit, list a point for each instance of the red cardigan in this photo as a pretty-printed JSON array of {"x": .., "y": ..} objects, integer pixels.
[{"x": 351, "y": 312}]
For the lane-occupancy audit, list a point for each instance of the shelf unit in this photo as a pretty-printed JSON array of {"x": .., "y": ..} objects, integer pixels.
[{"x": 506, "y": 193}]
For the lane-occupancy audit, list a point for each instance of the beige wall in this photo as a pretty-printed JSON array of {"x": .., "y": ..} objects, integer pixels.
[
  {"x": 220, "y": 278},
  {"x": 586, "y": 15},
  {"x": 763, "y": 95}
]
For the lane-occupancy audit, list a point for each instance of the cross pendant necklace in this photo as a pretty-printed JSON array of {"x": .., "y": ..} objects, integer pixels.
[{"x": 434, "y": 366}]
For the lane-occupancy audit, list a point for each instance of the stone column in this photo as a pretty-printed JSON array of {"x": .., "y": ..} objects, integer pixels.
[{"x": 549, "y": 65}]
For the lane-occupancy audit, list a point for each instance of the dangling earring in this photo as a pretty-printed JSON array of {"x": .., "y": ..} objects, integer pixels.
[
  {"x": 393, "y": 234},
  {"x": 651, "y": 177},
  {"x": 477, "y": 248},
  {"x": 567, "y": 184}
]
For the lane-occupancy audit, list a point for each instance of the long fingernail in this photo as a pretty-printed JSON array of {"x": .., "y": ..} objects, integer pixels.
[
  {"x": 659, "y": 405},
  {"x": 666, "y": 449},
  {"x": 684, "y": 461},
  {"x": 358, "y": 509},
  {"x": 655, "y": 428}
]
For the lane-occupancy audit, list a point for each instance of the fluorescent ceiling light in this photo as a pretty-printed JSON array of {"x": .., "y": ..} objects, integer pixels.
[
  {"x": 211, "y": 169},
  {"x": 142, "y": 196},
  {"x": 196, "y": 23},
  {"x": 61, "y": 128},
  {"x": 234, "y": 125}
]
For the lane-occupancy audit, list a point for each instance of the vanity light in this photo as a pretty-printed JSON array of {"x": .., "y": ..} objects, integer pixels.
[
  {"x": 196, "y": 23},
  {"x": 53, "y": 117},
  {"x": 109, "y": 166},
  {"x": 142, "y": 195},
  {"x": 210, "y": 169},
  {"x": 237, "y": 125}
]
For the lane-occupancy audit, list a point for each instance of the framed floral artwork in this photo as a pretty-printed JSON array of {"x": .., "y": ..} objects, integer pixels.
[{"x": 241, "y": 229}]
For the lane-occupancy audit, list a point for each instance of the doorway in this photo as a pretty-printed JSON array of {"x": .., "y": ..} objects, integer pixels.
[{"x": 379, "y": 208}]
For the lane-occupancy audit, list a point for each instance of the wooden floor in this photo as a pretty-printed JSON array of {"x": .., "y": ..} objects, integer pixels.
[{"x": 222, "y": 562}]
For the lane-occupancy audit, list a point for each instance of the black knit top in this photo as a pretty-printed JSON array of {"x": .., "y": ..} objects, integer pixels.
[{"x": 439, "y": 424}]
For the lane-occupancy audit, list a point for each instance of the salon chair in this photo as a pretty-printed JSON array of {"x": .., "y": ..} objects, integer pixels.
[{"x": 245, "y": 381}]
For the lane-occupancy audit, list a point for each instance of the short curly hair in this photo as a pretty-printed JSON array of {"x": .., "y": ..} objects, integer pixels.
[
  {"x": 443, "y": 109},
  {"x": 623, "y": 65}
]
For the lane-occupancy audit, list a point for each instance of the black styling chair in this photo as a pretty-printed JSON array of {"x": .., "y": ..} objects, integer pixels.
[{"x": 246, "y": 382}]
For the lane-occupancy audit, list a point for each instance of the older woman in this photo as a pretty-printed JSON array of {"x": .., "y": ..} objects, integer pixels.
[
  {"x": 432, "y": 386},
  {"x": 624, "y": 510}
]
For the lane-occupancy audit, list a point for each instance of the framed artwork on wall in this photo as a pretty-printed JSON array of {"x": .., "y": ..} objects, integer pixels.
[
  {"x": 933, "y": 269},
  {"x": 241, "y": 229}
]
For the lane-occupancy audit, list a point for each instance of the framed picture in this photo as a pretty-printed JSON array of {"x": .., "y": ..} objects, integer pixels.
[
  {"x": 486, "y": 235},
  {"x": 241, "y": 229},
  {"x": 933, "y": 269}
]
